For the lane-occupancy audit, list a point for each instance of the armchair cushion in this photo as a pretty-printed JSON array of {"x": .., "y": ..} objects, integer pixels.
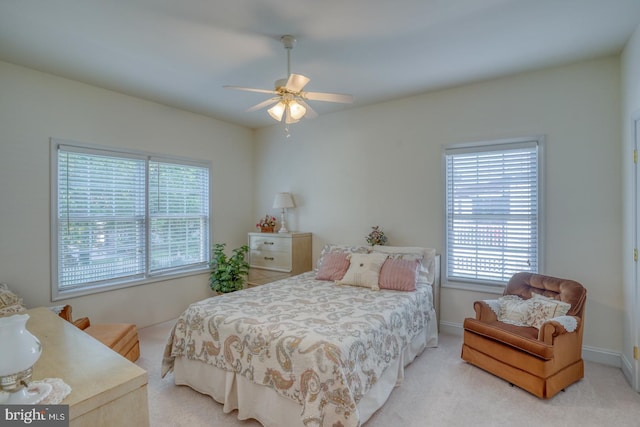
[{"x": 524, "y": 338}]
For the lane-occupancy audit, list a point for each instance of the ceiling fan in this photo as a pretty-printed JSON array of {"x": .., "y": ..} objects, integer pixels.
[{"x": 290, "y": 99}]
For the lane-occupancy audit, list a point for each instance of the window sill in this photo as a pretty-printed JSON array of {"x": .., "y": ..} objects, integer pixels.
[
  {"x": 72, "y": 293},
  {"x": 475, "y": 287}
]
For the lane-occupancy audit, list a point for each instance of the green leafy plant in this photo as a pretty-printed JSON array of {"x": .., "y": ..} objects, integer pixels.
[{"x": 228, "y": 273}]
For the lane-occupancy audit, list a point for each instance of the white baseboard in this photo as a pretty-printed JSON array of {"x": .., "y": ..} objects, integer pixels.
[
  {"x": 591, "y": 354},
  {"x": 451, "y": 328},
  {"x": 627, "y": 370}
]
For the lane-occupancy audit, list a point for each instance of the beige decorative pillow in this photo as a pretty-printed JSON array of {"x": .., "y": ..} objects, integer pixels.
[
  {"x": 513, "y": 310},
  {"x": 8, "y": 298},
  {"x": 542, "y": 309},
  {"x": 12, "y": 309},
  {"x": 364, "y": 270}
]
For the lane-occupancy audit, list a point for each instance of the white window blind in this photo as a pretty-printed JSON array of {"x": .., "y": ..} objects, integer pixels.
[
  {"x": 179, "y": 213},
  {"x": 492, "y": 211},
  {"x": 122, "y": 217}
]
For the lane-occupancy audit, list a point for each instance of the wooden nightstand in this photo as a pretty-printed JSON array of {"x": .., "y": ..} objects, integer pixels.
[{"x": 274, "y": 256}]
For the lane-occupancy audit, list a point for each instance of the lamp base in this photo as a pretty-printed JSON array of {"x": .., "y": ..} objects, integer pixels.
[
  {"x": 283, "y": 222},
  {"x": 26, "y": 395}
]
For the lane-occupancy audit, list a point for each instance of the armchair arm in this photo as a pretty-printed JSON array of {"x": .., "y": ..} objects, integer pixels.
[
  {"x": 65, "y": 312},
  {"x": 486, "y": 310},
  {"x": 557, "y": 326}
]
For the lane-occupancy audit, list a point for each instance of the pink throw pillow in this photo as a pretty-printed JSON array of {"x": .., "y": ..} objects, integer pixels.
[
  {"x": 334, "y": 266},
  {"x": 399, "y": 274}
]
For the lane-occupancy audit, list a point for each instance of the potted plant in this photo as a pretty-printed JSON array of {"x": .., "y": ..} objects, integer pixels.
[{"x": 228, "y": 273}]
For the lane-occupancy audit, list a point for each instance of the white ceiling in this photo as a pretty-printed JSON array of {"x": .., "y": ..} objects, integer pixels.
[{"x": 181, "y": 52}]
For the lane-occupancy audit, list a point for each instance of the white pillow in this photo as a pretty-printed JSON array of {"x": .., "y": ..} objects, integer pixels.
[
  {"x": 426, "y": 256},
  {"x": 513, "y": 310},
  {"x": 364, "y": 270}
]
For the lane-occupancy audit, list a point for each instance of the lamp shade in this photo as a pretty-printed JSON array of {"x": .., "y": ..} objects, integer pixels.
[
  {"x": 297, "y": 110},
  {"x": 283, "y": 200},
  {"x": 277, "y": 111}
]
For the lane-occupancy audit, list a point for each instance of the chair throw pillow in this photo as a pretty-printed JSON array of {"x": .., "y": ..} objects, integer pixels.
[
  {"x": 10, "y": 303},
  {"x": 543, "y": 308},
  {"x": 513, "y": 310}
]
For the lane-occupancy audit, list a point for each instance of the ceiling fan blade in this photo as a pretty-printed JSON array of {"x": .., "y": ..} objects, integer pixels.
[
  {"x": 296, "y": 82},
  {"x": 248, "y": 89},
  {"x": 263, "y": 104},
  {"x": 328, "y": 97},
  {"x": 310, "y": 114}
]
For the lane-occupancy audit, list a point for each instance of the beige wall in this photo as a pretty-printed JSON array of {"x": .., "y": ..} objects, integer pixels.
[
  {"x": 36, "y": 106},
  {"x": 381, "y": 165},
  {"x": 378, "y": 165},
  {"x": 630, "y": 65}
]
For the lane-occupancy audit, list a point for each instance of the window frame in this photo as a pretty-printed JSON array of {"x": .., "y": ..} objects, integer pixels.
[
  {"x": 478, "y": 285},
  {"x": 148, "y": 276}
]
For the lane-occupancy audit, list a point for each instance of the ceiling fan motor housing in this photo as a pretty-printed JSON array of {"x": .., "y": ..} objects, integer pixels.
[{"x": 280, "y": 84}]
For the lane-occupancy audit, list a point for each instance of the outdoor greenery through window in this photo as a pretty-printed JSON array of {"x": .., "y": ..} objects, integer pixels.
[
  {"x": 492, "y": 210},
  {"x": 123, "y": 217}
]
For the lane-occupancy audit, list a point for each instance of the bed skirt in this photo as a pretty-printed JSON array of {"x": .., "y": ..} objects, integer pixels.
[{"x": 264, "y": 404}]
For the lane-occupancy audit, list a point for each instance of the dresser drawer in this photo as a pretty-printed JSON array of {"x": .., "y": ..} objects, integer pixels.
[
  {"x": 271, "y": 259},
  {"x": 270, "y": 244},
  {"x": 288, "y": 253}
]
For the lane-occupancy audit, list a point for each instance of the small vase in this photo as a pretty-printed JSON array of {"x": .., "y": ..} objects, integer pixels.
[{"x": 267, "y": 229}]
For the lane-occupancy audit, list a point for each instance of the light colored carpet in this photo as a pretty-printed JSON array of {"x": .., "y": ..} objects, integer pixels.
[{"x": 439, "y": 390}]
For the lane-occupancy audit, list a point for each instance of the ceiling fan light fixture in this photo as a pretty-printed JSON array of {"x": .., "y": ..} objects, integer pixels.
[
  {"x": 288, "y": 118},
  {"x": 277, "y": 111},
  {"x": 297, "y": 110},
  {"x": 289, "y": 95}
]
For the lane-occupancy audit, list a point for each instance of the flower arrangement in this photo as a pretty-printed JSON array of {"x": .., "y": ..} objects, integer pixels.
[
  {"x": 267, "y": 223},
  {"x": 376, "y": 237}
]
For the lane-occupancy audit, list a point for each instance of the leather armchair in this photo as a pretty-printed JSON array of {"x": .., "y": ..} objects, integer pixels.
[{"x": 541, "y": 361}]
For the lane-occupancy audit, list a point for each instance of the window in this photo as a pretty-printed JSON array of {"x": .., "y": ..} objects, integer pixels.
[
  {"x": 121, "y": 218},
  {"x": 492, "y": 211}
]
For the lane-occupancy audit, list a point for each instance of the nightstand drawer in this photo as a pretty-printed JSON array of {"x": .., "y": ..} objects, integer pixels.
[
  {"x": 271, "y": 259},
  {"x": 270, "y": 244},
  {"x": 278, "y": 255}
]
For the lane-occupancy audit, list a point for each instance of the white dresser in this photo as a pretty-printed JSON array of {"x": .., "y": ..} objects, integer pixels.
[{"x": 274, "y": 256}]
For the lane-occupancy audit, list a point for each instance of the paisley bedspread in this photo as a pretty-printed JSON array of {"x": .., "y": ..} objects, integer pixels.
[{"x": 320, "y": 344}]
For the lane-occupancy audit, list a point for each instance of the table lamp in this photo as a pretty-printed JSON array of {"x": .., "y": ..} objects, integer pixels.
[
  {"x": 20, "y": 351},
  {"x": 283, "y": 201}
]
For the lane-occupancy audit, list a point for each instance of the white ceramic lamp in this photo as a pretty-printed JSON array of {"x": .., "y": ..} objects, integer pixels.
[
  {"x": 283, "y": 201},
  {"x": 20, "y": 351}
]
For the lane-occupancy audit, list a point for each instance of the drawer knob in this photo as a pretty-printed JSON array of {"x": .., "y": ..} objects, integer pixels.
[
  {"x": 268, "y": 243},
  {"x": 268, "y": 258}
]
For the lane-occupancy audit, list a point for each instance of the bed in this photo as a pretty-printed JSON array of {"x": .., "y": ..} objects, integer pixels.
[{"x": 307, "y": 352}]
